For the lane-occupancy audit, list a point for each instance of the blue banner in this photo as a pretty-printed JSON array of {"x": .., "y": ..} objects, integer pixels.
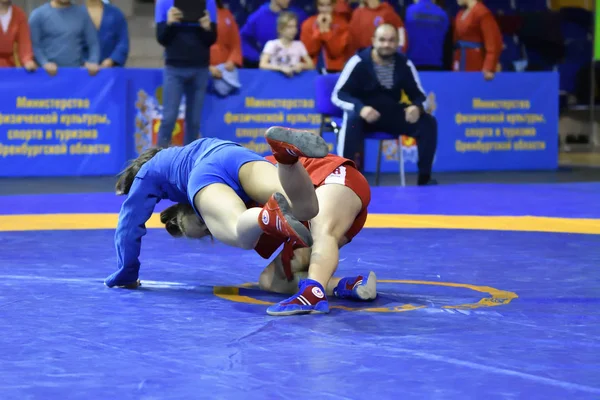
[
  {"x": 144, "y": 110},
  {"x": 68, "y": 125},
  {"x": 509, "y": 123},
  {"x": 265, "y": 99},
  {"x": 77, "y": 125}
]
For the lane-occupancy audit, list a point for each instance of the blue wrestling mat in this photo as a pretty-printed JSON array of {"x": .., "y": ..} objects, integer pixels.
[{"x": 485, "y": 292}]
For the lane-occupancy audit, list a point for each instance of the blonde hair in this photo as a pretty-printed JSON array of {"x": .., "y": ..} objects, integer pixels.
[{"x": 284, "y": 18}]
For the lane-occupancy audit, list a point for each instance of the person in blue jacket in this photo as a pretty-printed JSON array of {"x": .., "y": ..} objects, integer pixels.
[
  {"x": 113, "y": 32},
  {"x": 261, "y": 26},
  {"x": 219, "y": 178},
  {"x": 369, "y": 91},
  {"x": 187, "y": 59},
  {"x": 428, "y": 27}
]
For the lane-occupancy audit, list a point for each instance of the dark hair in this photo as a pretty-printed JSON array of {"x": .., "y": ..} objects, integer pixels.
[
  {"x": 169, "y": 217},
  {"x": 220, "y": 4},
  {"x": 172, "y": 216},
  {"x": 127, "y": 176}
]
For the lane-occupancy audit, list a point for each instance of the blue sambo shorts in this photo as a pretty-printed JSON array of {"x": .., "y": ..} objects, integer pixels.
[{"x": 222, "y": 165}]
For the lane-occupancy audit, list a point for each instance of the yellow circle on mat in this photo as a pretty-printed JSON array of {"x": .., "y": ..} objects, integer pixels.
[{"x": 495, "y": 297}]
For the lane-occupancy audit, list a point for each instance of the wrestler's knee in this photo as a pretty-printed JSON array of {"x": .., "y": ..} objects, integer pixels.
[{"x": 327, "y": 228}]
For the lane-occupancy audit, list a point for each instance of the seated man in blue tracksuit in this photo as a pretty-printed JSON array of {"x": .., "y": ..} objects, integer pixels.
[{"x": 369, "y": 91}]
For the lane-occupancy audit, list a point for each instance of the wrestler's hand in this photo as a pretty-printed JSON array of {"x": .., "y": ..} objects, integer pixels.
[{"x": 124, "y": 279}]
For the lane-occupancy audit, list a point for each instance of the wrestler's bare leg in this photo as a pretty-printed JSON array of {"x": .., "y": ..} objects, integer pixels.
[
  {"x": 287, "y": 192},
  {"x": 339, "y": 207}
]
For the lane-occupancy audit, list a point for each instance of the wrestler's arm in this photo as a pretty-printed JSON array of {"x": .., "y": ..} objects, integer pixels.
[{"x": 135, "y": 212}]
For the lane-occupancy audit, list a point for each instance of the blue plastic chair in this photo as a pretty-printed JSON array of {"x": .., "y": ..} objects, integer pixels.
[{"x": 324, "y": 85}]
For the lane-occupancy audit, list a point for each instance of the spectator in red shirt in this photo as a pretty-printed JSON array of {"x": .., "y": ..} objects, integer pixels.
[
  {"x": 343, "y": 9},
  {"x": 14, "y": 30},
  {"x": 367, "y": 18},
  {"x": 477, "y": 39},
  {"x": 228, "y": 48},
  {"x": 326, "y": 37}
]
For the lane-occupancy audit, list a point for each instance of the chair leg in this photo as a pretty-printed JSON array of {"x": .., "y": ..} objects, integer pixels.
[
  {"x": 401, "y": 162},
  {"x": 378, "y": 168},
  {"x": 322, "y": 125},
  {"x": 336, "y": 130}
]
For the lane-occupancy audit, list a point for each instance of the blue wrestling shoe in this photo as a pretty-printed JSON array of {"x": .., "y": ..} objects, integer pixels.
[
  {"x": 361, "y": 287},
  {"x": 310, "y": 299}
]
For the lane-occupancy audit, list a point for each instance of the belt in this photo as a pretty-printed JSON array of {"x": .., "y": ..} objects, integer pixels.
[{"x": 463, "y": 46}]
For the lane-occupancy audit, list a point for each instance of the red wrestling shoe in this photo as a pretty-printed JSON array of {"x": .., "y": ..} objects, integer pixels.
[
  {"x": 289, "y": 144},
  {"x": 287, "y": 255},
  {"x": 276, "y": 219}
]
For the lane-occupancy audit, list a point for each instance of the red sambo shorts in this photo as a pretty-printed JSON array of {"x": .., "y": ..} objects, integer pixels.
[{"x": 326, "y": 171}]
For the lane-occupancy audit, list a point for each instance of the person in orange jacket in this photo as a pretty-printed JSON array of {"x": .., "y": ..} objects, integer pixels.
[
  {"x": 228, "y": 48},
  {"x": 326, "y": 34},
  {"x": 16, "y": 32},
  {"x": 366, "y": 18},
  {"x": 477, "y": 39},
  {"x": 343, "y": 9}
]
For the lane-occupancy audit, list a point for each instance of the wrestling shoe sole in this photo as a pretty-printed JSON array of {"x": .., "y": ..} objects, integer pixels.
[
  {"x": 369, "y": 290},
  {"x": 309, "y": 144},
  {"x": 298, "y": 229}
]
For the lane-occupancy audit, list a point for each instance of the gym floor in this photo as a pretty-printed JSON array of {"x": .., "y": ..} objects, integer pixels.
[{"x": 487, "y": 289}]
